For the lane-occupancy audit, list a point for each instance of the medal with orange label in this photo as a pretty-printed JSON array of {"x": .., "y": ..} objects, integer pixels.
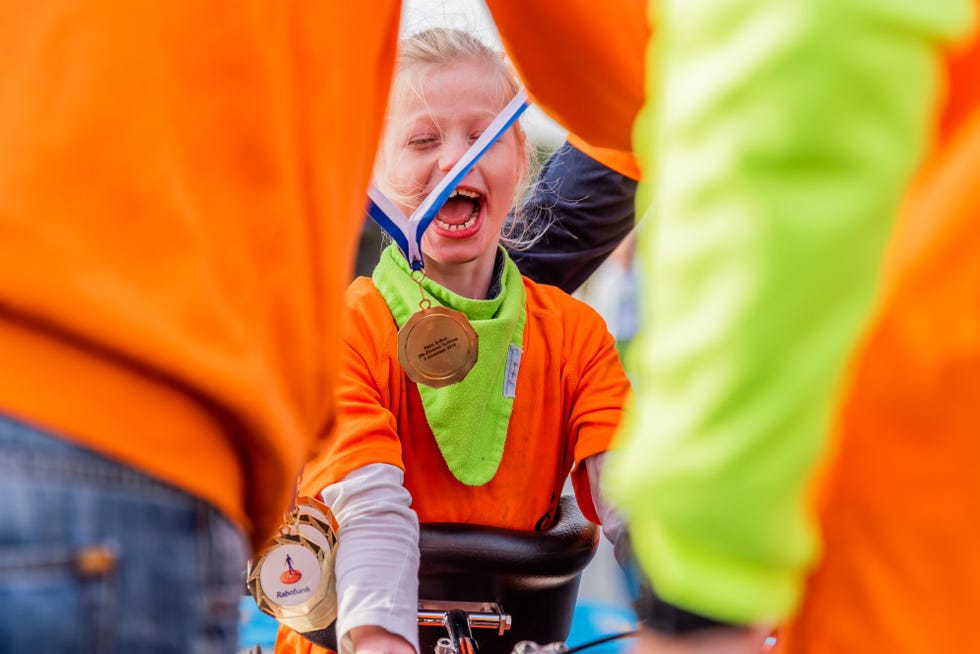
[{"x": 293, "y": 578}]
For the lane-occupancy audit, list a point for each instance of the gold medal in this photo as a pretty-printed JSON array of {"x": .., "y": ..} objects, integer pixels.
[
  {"x": 293, "y": 578},
  {"x": 437, "y": 346},
  {"x": 317, "y": 522},
  {"x": 293, "y": 581}
]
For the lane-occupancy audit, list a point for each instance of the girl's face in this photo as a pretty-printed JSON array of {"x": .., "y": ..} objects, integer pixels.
[{"x": 429, "y": 134}]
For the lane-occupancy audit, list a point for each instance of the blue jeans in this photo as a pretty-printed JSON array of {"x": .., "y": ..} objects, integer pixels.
[{"x": 96, "y": 557}]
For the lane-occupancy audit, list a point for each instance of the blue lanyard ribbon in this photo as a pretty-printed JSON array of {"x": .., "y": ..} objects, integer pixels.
[{"x": 407, "y": 231}]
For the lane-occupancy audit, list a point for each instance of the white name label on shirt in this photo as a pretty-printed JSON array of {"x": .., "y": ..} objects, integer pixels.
[{"x": 510, "y": 374}]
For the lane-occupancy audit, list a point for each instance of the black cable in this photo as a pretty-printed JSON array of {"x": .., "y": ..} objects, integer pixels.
[{"x": 600, "y": 641}]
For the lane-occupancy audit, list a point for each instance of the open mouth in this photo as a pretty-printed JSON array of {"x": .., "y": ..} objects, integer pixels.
[{"x": 460, "y": 211}]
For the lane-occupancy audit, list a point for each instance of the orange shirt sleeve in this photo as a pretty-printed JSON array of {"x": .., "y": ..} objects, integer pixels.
[
  {"x": 623, "y": 162},
  {"x": 599, "y": 393},
  {"x": 574, "y": 49},
  {"x": 370, "y": 430},
  {"x": 290, "y": 642}
]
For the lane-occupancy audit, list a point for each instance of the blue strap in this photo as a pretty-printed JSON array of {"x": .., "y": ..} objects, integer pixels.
[{"x": 407, "y": 232}]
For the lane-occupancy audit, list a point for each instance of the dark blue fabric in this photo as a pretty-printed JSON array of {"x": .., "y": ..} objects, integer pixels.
[
  {"x": 585, "y": 210},
  {"x": 172, "y": 567}
]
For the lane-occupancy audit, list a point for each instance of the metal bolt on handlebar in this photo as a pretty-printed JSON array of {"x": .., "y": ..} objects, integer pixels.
[
  {"x": 481, "y": 615},
  {"x": 457, "y": 625}
]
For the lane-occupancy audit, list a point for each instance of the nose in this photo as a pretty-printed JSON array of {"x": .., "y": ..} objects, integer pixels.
[{"x": 452, "y": 151}]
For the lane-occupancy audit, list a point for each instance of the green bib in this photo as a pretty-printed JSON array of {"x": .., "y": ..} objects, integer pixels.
[{"x": 469, "y": 419}]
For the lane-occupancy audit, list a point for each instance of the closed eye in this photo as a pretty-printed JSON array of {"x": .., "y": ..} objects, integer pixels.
[{"x": 421, "y": 141}]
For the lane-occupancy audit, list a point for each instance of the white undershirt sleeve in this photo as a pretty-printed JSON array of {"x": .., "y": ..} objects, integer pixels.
[{"x": 377, "y": 553}]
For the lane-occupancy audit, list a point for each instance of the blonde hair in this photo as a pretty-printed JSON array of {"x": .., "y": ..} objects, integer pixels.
[{"x": 441, "y": 46}]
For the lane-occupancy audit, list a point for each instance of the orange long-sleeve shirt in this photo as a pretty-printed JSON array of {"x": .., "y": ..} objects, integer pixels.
[
  {"x": 181, "y": 188},
  {"x": 570, "y": 394}
]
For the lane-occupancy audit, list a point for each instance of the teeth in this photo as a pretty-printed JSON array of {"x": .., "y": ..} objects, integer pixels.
[
  {"x": 469, "y": 223},
  {"x": 466, "y": 193},
  {"x": 469, "y": 195}
]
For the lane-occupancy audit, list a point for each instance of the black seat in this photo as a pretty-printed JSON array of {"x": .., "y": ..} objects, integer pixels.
[{"x": 532, "y": 575}]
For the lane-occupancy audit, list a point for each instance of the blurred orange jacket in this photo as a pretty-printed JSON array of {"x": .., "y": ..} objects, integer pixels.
[
  {"x": 900, "y": 493},
  {"x": 181, "y": 190},
  {"x": 584, "y": 63}
]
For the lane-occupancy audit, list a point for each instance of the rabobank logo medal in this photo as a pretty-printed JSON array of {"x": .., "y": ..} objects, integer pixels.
[
  {"x": 293, "y": 578},
  {"x": 291, "y": 575}
]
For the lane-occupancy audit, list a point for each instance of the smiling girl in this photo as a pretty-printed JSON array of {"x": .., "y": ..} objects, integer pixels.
[
  {"x": 449, "y": 89},
  {"x": 541, "y": 402}
]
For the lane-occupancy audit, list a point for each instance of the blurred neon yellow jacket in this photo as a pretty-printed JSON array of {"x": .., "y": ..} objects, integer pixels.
[{"x": 778, "y": 137}]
